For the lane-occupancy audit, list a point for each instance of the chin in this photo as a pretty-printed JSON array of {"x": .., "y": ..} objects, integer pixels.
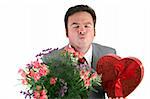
[{"x": 84, "y": 45}]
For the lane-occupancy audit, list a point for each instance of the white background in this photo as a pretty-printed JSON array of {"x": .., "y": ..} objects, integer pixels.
[{"x": 28, "y": 26}]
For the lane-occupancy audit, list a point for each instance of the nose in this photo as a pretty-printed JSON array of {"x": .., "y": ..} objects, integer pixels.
[{"x": 82, "y": 30}]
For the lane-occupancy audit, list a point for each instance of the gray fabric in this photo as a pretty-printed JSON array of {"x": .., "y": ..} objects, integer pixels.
[
  {"x": 97, "y": 52},
  {"x": 51, "y": 56}
]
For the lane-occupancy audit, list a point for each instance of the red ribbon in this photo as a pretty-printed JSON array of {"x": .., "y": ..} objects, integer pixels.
[
  {"x": 118, "y": 85},
  {"x": 118, "y": 88}
]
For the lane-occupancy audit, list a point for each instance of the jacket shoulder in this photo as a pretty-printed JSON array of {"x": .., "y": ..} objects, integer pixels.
[
  {"x": 103, "y": 49},
  {"x": 55, "y": 54}
]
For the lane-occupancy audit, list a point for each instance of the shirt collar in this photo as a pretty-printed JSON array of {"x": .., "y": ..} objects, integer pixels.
[{"x": 88, "y": 55}]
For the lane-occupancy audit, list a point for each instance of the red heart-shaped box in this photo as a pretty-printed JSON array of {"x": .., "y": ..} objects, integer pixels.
[{"x": 120, "y": 76}]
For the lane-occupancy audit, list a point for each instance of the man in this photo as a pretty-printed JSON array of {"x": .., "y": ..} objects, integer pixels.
[{"x": 80, "y": 23}]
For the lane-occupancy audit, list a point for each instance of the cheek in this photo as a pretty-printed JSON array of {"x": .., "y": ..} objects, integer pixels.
[
  {"x": 71, "y": 32},
  {"x": 72, "y": 36},
  {"x": 91, "y": 37},
  {"x": 91, "y": 33}
]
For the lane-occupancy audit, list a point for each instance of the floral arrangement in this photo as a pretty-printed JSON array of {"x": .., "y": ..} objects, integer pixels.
[{"x": 58, "y": 74}]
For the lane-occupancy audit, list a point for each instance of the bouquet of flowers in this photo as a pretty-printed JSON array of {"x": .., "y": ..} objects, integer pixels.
[{"x": 58, "y": 74}]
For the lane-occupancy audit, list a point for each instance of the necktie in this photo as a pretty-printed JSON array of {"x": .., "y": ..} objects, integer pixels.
[{"x": 83, "y": 62}]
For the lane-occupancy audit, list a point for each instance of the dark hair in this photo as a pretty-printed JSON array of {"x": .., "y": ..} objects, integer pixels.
[{"x": 79, "y": 8}]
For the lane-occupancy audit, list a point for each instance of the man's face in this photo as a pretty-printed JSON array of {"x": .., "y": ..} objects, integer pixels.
[{"x": 81, "y": 29}]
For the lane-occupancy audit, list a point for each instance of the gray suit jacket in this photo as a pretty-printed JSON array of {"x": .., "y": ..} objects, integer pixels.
[{"x": 97, "y": 52}]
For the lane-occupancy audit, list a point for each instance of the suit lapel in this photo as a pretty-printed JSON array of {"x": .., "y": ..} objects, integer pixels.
[{"x": 93, "y": 65}]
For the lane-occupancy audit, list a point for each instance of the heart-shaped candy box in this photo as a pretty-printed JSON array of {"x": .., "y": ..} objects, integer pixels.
[{"x": 120, "y": 76}]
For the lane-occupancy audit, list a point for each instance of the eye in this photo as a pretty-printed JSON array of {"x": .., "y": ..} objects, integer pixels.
[
  {"x": 75, "y": 26},
  {"x": 88, "y": 26}
]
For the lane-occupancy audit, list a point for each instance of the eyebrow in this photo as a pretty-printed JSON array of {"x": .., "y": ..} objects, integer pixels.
[
  {"x": 88, "y": 23},
  {"x": 74, "y": 23}
]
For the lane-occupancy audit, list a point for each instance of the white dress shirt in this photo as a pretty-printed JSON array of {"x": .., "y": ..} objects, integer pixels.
[{"x": 88, "y": 56}]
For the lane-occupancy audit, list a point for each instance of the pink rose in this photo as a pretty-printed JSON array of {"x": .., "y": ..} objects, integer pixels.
[
  {"x": 36, "y": 64},
  {"x": 94, "y": 75},
  {"x": 20, "y": 70},
  {"x": 87, "y": 83},
  {"x": 84, "y": 74},
  {"x": 36, "y": 95},
  {"x": 22, "y": 73},
  {"x": 37, "y": 76},
  {"x": 80, "y": 55},
  {"x": 43, "y": 92},
  {"x": 31, "y": 73},
  {"x": 43, "y": 70},
  {"x": 75, "y": 54},
  {"x": 53, "y": 80},
  {"x": 44, "y": 97},
  {"x": 24, "y": 82}
]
